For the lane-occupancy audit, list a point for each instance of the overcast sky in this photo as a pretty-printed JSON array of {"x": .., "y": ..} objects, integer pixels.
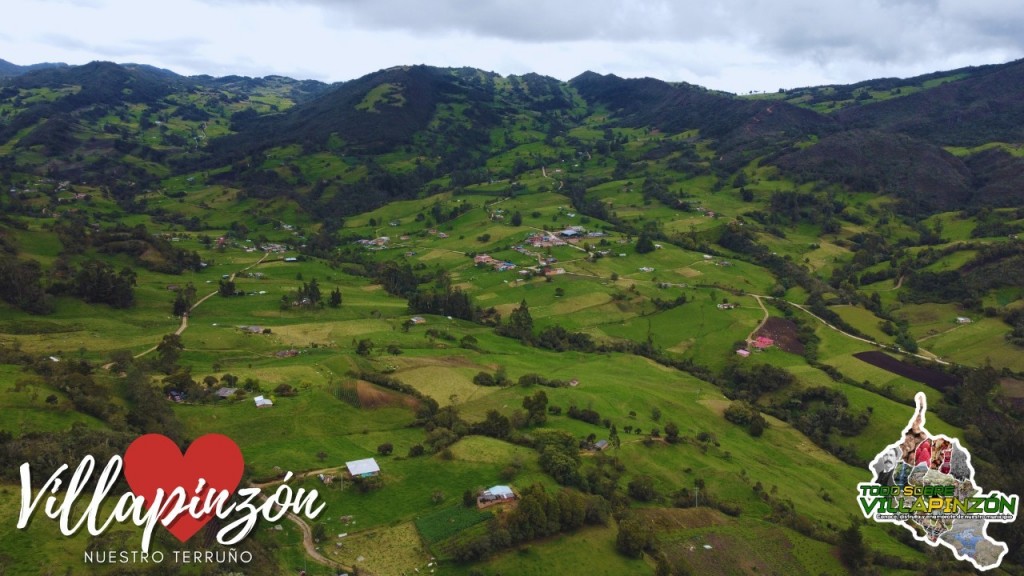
[{"x": 733, "y": 45}]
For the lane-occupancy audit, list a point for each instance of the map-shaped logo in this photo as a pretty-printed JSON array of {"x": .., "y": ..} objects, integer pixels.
[{"x": 926, "y": 484}]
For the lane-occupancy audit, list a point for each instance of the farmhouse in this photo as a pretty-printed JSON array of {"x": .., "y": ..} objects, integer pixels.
[
  {"x": 763, "y": 342},
  {"x": 225, "y": 392},
  {"x": 365, "y": 468},
  {"x": 418, "y": 320},
  {"x": 495, "y": 494},
  {"x": 262, "y": 402},
  {"x": 743, "y": 352},
  {"x": 600, "y": 445},
  {"x": 963, "y": 320},
  {"x": 726, "y": 306}
]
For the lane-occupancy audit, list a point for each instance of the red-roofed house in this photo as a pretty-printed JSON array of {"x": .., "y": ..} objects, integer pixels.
[{"x": 762, "y": 342}]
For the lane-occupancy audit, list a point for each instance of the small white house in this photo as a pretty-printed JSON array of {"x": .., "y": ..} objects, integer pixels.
[
  {"x": 365, "y": 468},
  {"x": 497, "y": 493},
  {"x": 963, "y": 320},
  {"x": 262, "y": 402}
]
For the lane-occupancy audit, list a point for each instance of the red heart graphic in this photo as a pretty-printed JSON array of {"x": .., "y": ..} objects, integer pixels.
[{"x": 154, "y": 462}]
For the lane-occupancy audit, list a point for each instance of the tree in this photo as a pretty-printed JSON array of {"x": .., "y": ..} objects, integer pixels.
[
  {"x": 852, "y": 550},
  {"x": 365, "y": 347},
  {"x": 319, "y": 532},
  {"x": 536, "y": 407},
  {"x": 517, "y": 218},
  {"x": 98, "y": 282},
  {"x": 385, "y": 449},
  {"x": 335, "y": 299},
  {"x": 642, "y": 488},
  {"x": 495, "y": 425},
  {"x": 644, "y": 244},
  {"x": 21, "y": 285},
  {"x": 520, "y": 323},
  {"x": 180, "y": 306},
  {"x": 168, "y": 351},
  {"x": 671, "y": 433},
  {"x": 756, "y": 426},
  {"x": 634, "y": 536}
]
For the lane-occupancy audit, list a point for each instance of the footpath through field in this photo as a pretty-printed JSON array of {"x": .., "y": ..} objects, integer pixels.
[{"x": 184, "y": 317}]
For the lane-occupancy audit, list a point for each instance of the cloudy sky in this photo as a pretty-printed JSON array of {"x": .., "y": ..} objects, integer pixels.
[{"x": 733, "y": 45}]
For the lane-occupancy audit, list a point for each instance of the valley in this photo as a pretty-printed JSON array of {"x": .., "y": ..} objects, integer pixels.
[{"x": 474, "y": 278}]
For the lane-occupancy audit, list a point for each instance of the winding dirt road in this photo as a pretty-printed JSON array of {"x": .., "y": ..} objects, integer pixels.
[
  {"x": 184, "y": 317},
  {"x": 925, "y": 355}
]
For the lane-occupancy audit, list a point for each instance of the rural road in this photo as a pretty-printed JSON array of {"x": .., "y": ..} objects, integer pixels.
[
  {"x": 750, "y": 337},
  {"x": 544, "y": 173},
  {"x": 310, "y": 547},
  {"x": 930, "y": 357},
  {"x": 307, "y": 541},
  {"x": 184, "y": 317}
]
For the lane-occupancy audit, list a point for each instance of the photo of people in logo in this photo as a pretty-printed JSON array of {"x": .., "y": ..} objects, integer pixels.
[{"x": 921, "y": 460}]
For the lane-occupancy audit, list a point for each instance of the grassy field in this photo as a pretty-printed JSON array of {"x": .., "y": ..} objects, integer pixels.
[{"x": 668, "y": 297}]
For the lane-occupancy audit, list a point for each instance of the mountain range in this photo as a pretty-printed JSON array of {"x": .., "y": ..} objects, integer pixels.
[{"x": 933, "y": 142}]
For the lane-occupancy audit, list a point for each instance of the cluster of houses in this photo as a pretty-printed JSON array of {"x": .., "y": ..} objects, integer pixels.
[
  {"x": 570, "y": 235},
  {"x": 273, "y": 247},
  {"x": 545, "y": 240},
  {"x": 487, "y": 260},
  {"x": 378, "y": 243}
]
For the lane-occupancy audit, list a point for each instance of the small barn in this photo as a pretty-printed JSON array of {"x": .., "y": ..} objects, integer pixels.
[
  {"x": 262, "y": 402},
  {"x": 497, "y": 494},
  {"x": 365, "y": 468}
]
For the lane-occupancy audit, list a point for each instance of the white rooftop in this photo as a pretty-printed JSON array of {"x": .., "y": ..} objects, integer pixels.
[
  {"x": 364, "y": 466},
  {"x": 503, "y": 491}
]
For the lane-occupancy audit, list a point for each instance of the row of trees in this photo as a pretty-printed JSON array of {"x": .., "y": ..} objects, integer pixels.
[{"x": 537, "y": 515}]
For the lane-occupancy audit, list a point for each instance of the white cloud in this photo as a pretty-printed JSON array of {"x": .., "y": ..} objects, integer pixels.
[{"x": 734, "y": 45}]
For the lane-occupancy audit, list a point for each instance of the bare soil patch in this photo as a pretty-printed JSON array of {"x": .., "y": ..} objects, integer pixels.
[
  {"x": 934, "y": 378},
  {"x": 370, "y": 396},
  {"x": 784, "y": 333}
]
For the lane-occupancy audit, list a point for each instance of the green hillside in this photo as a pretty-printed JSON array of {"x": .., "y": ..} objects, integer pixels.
[{"x": 474, "y": 278}]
